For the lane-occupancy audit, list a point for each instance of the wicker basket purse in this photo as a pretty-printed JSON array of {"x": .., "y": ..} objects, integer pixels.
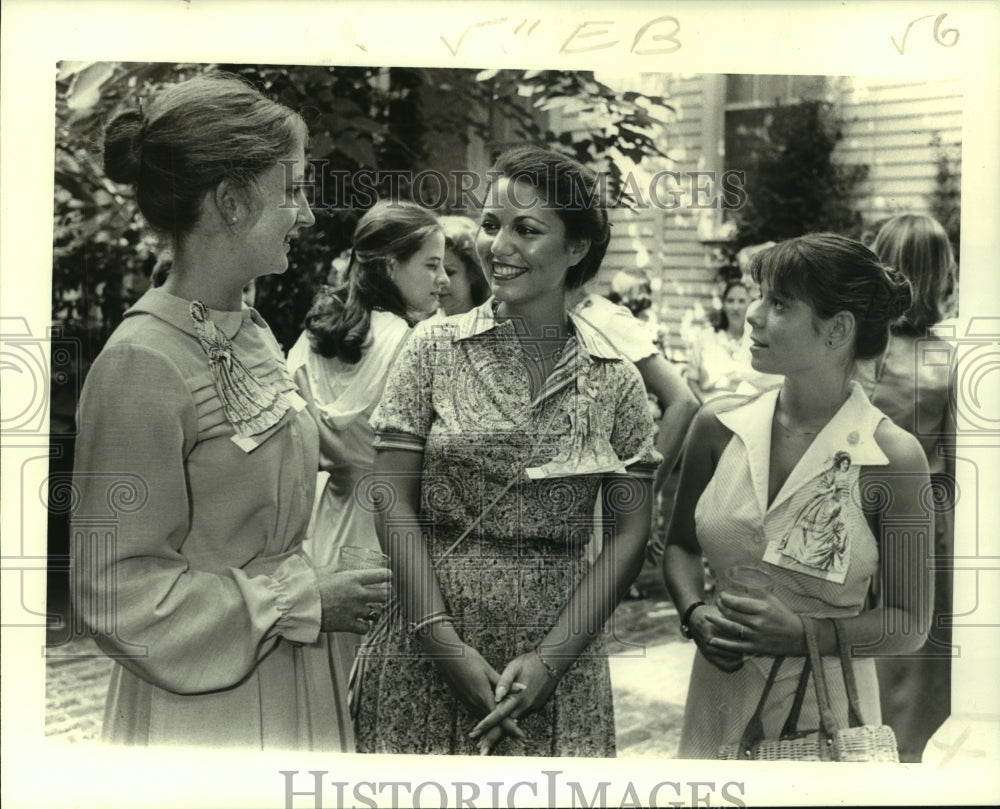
[{"x": 858, "y": 742}]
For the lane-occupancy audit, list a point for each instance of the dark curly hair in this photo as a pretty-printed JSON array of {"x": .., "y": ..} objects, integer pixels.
[
  {"x": 339, "y": 319},
  {"x": 835, "y": 274}
]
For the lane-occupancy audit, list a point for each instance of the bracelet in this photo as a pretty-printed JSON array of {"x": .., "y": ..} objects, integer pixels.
[
  {"x": 552, "y": 672},
  {"x": 686, "y": 620},
  {"x": 430, "y": 620}
]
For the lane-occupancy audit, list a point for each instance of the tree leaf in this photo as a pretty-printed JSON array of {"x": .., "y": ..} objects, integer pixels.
[
  {"x": 360, "y": 150},
  {"x": 68, "y": 68},
  {"x": 320, "y": 145},
  {"x": 85, "y": 90}
]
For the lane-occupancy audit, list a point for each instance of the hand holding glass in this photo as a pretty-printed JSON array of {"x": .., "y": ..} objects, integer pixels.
[
  {"x": 747, "y": 580},
  {"x": 356, "y": 557}
]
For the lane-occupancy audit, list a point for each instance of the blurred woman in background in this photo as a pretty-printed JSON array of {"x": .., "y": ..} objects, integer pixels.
[
  {"x": 353, "y": 333},
  {"x": 719, "y": 362},
  {"x": 916, "y": 394},
  {"x": 467, "y": 286}
]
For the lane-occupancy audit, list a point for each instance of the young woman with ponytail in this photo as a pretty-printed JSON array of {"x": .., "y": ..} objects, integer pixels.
[{"x": 811, "y": 484}]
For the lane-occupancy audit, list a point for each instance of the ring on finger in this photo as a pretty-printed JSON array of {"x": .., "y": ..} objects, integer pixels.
[
  {"x": 742, "y": 633},
  {"x": 372, "y": 615}
]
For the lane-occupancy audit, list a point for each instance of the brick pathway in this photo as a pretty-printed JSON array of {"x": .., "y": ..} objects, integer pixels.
[
  {"x": 76, "y": 683},
  {"x": 648, "y": 693},
  {"x": 649, "y": 676}
]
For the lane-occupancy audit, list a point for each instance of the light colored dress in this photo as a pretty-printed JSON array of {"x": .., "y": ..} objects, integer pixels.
[
  {"x": 346, "y": 396},
  {"x": 632, "y": 337},
  {"x": 187, "y": 557},
  {"x": 634, "y": 340},
  {"x": 793, "y": 537},
  {"x": 911, "y": 384},
  {"x": 459, "y": 394}
]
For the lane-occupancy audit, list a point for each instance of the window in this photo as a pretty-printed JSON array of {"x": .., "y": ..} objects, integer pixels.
[{"x": 749, "y": 102}]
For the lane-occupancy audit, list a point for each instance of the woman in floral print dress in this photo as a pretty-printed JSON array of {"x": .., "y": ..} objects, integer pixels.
[{"x": 494, "y": 436}]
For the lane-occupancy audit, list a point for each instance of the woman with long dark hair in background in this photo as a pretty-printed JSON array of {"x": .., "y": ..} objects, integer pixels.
[{"x": 352, "y": 335}]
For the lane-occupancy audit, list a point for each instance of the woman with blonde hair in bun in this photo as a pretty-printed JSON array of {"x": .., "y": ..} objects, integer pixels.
[{"x": 192, "y": 430}]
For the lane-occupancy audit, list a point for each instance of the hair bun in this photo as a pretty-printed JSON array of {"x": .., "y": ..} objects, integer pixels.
[
  {"x": 123, "y": 147},
  {"x": 898, "y": 293}
]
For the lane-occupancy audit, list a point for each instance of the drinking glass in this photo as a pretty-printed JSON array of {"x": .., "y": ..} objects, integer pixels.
[
  {"x": 355, "y": 557},
  {"x": 747, "y": 580}
]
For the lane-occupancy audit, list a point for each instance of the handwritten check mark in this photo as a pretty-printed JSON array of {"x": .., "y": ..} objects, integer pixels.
[{"x": 900, "y": 47}]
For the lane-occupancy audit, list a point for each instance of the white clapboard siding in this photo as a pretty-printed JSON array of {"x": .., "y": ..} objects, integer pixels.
[
  {"x": 890, "y": 125},
  {"x": 887, "y": 123}
]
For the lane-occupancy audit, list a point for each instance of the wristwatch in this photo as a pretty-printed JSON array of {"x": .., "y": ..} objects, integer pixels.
[{"x": 686, "y": 620}]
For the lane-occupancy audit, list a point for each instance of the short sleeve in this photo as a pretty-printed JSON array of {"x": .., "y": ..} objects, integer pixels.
[
  {"x": 619, "y": 327},
  {"x": 403, "y": 417},
  {"x": 633, "y": 429}
]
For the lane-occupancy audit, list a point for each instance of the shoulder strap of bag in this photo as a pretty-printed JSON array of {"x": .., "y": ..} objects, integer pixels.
[
  {"x": 850, "y": 684},
  {"x": 393, "y": 614},
  {"x": 754, "y": 731},
  {"x": 790, "y": 729},
  {"x": 489, "y": 506},
  {"x": 827, "y": 720}
]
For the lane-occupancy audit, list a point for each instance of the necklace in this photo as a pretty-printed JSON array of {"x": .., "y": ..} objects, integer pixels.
[{"x": 788, "y": 429}]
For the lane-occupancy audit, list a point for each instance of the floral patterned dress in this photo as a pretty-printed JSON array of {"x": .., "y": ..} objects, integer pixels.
[
  {"x": 532, "y": 468},
  {"x": 346, "y": 395}
]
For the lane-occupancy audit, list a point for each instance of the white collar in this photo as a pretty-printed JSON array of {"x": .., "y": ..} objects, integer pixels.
[
  {"x": 482, "y": 319},
  {"x": 851, "y": 430}
]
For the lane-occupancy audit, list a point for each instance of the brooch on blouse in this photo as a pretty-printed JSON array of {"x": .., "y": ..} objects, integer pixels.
[
  {"x": 818, "y": 543},
  {"x": 250, "y": 406}
]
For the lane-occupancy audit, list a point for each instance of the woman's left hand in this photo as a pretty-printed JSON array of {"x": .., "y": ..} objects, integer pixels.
[
  {"x": 757, "y": 625},
  {"x": 525, "y": 685}
]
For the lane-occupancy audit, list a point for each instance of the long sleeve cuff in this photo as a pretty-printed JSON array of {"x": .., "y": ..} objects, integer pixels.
[{"x": 293, "y": 608}]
